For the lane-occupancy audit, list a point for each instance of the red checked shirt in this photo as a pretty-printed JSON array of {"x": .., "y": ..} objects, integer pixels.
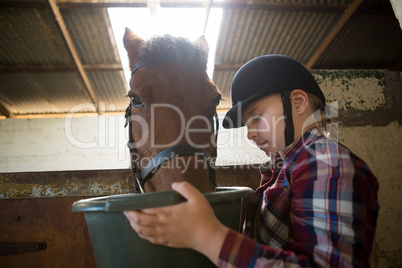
[{"x": 316, "y": 207}]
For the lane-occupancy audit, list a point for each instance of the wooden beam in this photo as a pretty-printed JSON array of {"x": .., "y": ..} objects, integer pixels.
[
  {"x": 74, "y": 53},
  {"x": 256, "y": 4},
  {"x": 5, "y": 111},
  {"x": 24, "y": 3},
  {"x": 397, "y": 67},
  {"x": 337, "y": 28},
  {"x": 238, "y": 4},
  {"x": 365, "y": 66},
  {"x": 63, "y": 115},
  {"x": 67, "y": 68},
  {"x": 234, "y": 4},
  {"x": 103, "y": 67},
  {"x": 59, "y": 115}
]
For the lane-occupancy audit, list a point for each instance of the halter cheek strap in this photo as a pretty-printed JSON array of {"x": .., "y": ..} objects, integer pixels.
[
  {"x": 141, "y": 176},
  {"x": 134, "y": 157}
]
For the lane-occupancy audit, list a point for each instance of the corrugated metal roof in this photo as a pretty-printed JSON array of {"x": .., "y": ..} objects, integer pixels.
[
  {"x": 38, "y": 74},
  {"x": 374, "y": 45},
  {"x": 27, "y": 38},
  {"x": 250, "y": 33},
  {"x": 33, "y": 93},
  {"x": 110, "y": 87},
  {"x": 372, "y": 37},
  {"x": 30, "y": 38},
  {"x": 92, "y": 34}
]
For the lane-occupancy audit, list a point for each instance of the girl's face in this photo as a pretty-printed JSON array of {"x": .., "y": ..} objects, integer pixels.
[{"x": 265, "y": 123}]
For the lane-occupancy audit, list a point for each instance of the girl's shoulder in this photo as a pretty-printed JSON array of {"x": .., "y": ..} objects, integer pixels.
[{"x": 323, "y": 151}]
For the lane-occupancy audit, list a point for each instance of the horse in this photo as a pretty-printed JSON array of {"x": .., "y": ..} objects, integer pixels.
[{"x": 172, "y": 105}]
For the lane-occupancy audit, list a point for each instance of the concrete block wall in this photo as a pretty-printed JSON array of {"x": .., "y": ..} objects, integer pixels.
[
  {"x": 369, "y": 123},
  {"x": 71, "y": 143},
  {"x": 397, "y": 7}
]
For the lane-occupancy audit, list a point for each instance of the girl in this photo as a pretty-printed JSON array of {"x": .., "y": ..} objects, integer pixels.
[{"x": 317, "y": 203}]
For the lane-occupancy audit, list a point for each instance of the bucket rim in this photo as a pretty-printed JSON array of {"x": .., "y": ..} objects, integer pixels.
[{"x": 135, "y": 201}]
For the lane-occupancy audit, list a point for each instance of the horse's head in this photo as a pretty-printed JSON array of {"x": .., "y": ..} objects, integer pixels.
[{"x": 172, "y": 102}]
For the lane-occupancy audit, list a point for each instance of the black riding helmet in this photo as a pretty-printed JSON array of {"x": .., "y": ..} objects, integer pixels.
[{"x": 265, "y": 75}]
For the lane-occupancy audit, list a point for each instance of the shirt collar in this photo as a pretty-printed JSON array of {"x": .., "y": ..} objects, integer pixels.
[{"x": 308, "y": 137}]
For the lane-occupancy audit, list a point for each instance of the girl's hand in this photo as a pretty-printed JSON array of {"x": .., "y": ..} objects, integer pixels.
[{"x": 190, "y": 224}]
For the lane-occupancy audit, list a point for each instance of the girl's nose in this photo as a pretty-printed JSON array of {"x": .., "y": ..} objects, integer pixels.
[{"x": 251, "y": 133}]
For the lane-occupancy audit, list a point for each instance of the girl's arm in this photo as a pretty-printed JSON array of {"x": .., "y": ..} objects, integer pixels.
[{"x": 190, "y": 224}]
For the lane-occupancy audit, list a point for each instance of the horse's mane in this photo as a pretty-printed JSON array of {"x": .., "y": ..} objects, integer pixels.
[{"x": 176, "y": 50}]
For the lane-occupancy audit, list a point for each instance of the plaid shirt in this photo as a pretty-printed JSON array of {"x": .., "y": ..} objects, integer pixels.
[{"x": 316, "y": 206}]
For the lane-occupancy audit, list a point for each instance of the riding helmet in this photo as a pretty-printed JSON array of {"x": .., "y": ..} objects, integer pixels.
[{"x": 265, "y": 75}]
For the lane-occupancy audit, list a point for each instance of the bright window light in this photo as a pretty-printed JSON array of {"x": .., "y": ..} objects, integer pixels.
[{"x": 183, "y": 22}]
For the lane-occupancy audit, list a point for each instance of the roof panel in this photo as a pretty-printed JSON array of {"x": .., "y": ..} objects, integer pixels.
[
  {"x": 367, "y": 40},
  {"x": 91, "y": 33},
  {"x": 30, "y": 36},
  {"x": 38, "y": 74},
  {"x": 250, "y": 33},
  {"x": 111, "y": 89},
  {"x": 30, "y": 93}
]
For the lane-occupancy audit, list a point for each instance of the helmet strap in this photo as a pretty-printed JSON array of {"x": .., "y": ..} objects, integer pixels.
[{"x": 287, "y": 113}]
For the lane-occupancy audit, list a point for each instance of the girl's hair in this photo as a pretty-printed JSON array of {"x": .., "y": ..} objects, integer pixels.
[{"x": 319, "y": 112}]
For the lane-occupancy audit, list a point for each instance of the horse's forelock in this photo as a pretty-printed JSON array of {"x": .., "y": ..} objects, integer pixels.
[{"x": 169, "y": 49}]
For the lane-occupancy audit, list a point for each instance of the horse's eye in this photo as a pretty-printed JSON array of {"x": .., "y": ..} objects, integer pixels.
[
  {"x": 136, "y": 102},
  {"x": 215, "y": 103}
]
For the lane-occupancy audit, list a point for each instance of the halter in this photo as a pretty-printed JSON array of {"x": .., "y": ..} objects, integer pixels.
[{"x": 141, "y": 176}]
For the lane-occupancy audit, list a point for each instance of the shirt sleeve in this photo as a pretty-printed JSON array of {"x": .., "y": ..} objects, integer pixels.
[{"x": 333, "y": 216}]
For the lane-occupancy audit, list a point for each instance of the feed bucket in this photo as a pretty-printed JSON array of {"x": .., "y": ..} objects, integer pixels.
[{"x": 115, "y": 244}]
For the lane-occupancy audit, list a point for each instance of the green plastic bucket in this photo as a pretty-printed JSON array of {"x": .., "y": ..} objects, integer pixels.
[{"x": 115, "y": 244}]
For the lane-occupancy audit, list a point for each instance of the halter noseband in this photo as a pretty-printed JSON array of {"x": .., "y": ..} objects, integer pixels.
[{"x": 140, "y": 177}]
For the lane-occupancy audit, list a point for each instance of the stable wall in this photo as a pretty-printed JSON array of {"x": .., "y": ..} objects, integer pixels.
[
  {"x": 72, "y": 143},
  {"x": 397, "y": 7},
  {"x": 369, "y": 123},
  {"x": 92, "y": 143}
]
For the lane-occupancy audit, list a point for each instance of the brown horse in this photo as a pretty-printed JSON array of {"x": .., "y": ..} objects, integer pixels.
[{"x": 172, "y": 102}]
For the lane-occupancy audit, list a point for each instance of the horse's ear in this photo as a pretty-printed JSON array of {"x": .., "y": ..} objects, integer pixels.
[
  {"x": 132, "y": 44},
  {"x": 202, "y": 43}
]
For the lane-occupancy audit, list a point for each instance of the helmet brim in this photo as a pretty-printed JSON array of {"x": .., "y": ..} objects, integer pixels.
[{"x": 233, "y": 118}]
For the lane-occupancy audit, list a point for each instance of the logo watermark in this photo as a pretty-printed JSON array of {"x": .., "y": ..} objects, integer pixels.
[{"x": 110, "y": 133}]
